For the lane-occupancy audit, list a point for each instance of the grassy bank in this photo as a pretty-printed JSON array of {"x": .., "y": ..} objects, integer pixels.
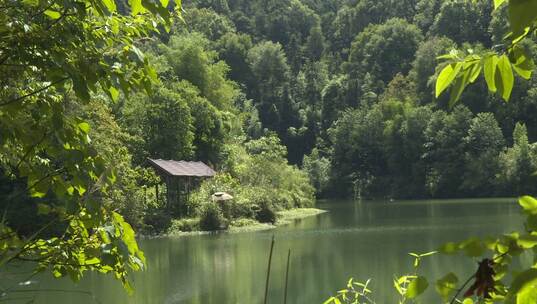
[{"x": 191, "y": 226}]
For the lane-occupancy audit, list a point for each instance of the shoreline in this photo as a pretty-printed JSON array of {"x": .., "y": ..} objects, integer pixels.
[{"x": 285, "y": 217}]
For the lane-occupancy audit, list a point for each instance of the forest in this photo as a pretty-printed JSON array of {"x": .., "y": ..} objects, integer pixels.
[
  {"x": 348, "y": 88},
  {"x": 288, "y": 101},
  {"x": 293, "y": 99}
]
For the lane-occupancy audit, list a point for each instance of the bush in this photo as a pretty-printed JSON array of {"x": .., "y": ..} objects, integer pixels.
[
  {"x": 243, "y": 222},
  {"x": 212, "y": 218},
  {"x": 222, "y": 182},
  {"x": 266, "y": 213},
  {"x": 157, "y": 220},
  {"x": 185, "y": 225}
]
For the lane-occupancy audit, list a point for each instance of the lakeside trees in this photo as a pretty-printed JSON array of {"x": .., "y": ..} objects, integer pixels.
[
  {"x": 354, "y": 56},
  {"x": 345, "y": 91},
  {"x": 57, "y": 57}
]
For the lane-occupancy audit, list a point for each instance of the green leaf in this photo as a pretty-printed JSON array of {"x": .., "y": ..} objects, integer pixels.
[
  {"x": 522, "y": 282},
  {"x": 523, "y": 64},
  {"x": 139, "y": 54},
  {"x": 507, "y": 78},
  {"x": 447, "y": 285},
  {"x": 114, "y": 93},
  {"x": 490, "y": 64},
  {"x": 473, "y": 247},
  {"x": 497, "y": 3},
  {"x": 527, "y": 241},
  {"x": 164, "y": 3},
  {"x": 468, "y": 301},
  {"x": 461, "y": 83},
  {"x": 446, "y": 77},
  {"x": 416, "y": 287},
  {"x": 84, "y": 127},
  {"x": 529, "y": 204},
  {"x": 527, "y": 295},
  {"x": 43, "y": 209},
  {"x": 39, "y": 188},
  {"x": 475, "y": 72},
  {"x": 449, "y": 248},
  {"x": 81, "y": 88},
  {"x": 136, "y": 7},
  {"x": 531, "y": 222},
  {"x": 522, "y": 13},
  {"x": 53, "y": 14},
  {"x": 110, "y": 5}
]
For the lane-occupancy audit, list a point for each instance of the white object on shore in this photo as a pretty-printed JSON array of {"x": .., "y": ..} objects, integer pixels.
[{"x": 222, "y": 196}]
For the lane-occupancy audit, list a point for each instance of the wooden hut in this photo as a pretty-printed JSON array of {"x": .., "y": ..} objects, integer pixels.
[{"x": 180, "y": 178}]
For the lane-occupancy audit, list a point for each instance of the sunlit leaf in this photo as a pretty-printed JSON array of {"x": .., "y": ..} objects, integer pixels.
[
  {"x": 523, "y": 64},
  {"x": 84, "y": 127},
  {"x": 507, "y": 78},
  {"x": 114, "y": 93},
  {"x": 489, "y": 68},
  {"x": 446, "y": 77},
  {"x": 136, "y": 7},
  {"x": 497, "y": 3},
  {"x": 522, "y": 282},
  {"x": 110, "y": 5},
  {"x": 468, "y": 301},
  {"x": 416, "y": 287},
  {"x": 529, "y": 204},
  {"x": 53, "y": 14},
  {"x": 527, "y": 241},
  {"x": 458, "y": 87}
]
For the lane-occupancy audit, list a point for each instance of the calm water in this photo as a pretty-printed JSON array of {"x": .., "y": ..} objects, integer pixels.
[{"x": 359, "y": 239}]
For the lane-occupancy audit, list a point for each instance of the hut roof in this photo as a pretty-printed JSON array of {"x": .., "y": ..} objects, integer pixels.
[{"x": 182, "y": 168}]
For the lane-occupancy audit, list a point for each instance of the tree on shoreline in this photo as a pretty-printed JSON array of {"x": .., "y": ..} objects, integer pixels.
[{"x": 54, "y": 56}]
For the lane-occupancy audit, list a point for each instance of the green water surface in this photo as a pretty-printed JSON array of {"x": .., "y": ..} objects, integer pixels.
[{"x": 365, "y": 240}]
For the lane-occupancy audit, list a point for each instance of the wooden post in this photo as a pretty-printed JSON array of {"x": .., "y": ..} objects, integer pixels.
[{"x": 156, "y": 191}]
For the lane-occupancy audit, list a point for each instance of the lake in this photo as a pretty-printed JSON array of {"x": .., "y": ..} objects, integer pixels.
[{"x": 364, "y": 240}]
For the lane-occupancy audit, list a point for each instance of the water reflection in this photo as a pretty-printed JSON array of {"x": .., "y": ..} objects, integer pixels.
[{"x": 359, "y": 239}]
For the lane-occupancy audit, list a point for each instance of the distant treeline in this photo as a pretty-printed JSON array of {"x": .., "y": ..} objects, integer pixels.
[{"x": 348, "y": 87}]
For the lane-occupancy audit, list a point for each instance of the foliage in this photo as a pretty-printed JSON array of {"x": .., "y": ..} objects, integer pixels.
[
  {"x": 384, "y": 50},
  {"x": 355, "y": 293},
  {"x": 318, "y": 169},
  {"x": 56, "y": 55},
  {"x": 212, "y": 218},
  {"x": 163, "y": 122},
  {"x": 260, "y": 180},
  {"x": 463, "y": 68},
  {"x": 408, "y": 287}
]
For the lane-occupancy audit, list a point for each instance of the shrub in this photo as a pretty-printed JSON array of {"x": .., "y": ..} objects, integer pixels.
[
  {"x": 243, "y": 222},
  {"x": 266, "y": 213},
  {"x": 222, "y": 182},
  {"x": 157, "y": 220},
  {"x": 185, "y": 225},
  {"x": 212, "y": 218}
]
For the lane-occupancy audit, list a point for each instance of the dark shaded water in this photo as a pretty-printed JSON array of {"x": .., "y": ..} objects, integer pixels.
[{"x": 359, "y": 239}]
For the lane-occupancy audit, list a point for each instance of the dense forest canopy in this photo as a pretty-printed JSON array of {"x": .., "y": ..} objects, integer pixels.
[{"x": 348, "y": 86}]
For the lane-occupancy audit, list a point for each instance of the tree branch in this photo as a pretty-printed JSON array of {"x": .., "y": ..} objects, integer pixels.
[
  {"x": 461, "y": 289},
  {"x": 33, "y": 93}
]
